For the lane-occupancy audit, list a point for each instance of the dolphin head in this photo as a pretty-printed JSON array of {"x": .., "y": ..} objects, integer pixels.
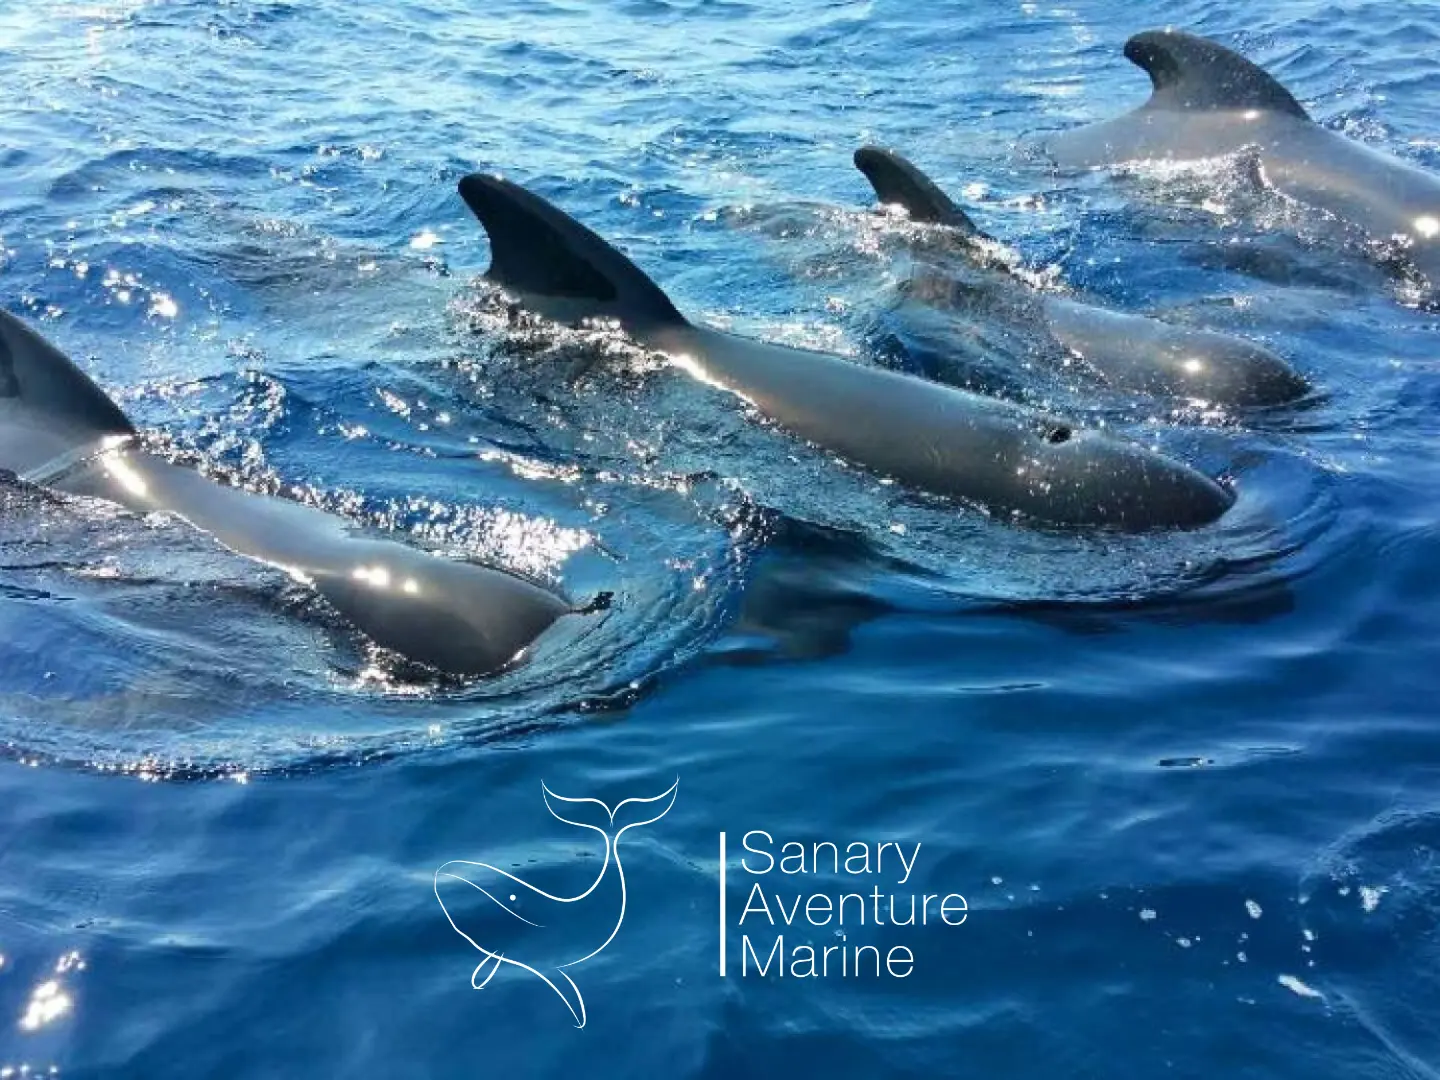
[
  {"x": 1134, "y": 352},
  {"x": 1084, "y": 477},
  {"x": 462, "y": 618},
  {"x": 1229, "y": 370}
]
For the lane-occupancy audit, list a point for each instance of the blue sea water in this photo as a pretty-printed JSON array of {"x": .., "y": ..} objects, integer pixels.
[{"x": 1185, "y": 783}]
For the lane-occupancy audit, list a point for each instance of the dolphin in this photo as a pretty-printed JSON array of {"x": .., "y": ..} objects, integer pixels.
[
  {"x": 1209, "y": 101},
  {"x": 935, "y": 438},
  {"x": 59, "y": 430},
  {"x": 1130, "y": 352}
]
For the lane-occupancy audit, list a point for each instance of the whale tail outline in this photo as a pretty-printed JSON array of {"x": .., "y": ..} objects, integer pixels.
[
  {"x": 655, "y": 807},
  {"x": 613, "y": 822},
  {"x": 1190, "y": 72},
  {"x": 898, "y": 181},
  {"x": 560, "y": 268},
  {"x": 584, "y": 813}
]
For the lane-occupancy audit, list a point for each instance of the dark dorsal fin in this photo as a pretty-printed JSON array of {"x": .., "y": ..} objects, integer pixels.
[
  {"x": 1191, "y": 72},
  {"x": 898, "y": 181},
  {"x": 39, "y": 378},
  {"x": 557, "y": 265}
]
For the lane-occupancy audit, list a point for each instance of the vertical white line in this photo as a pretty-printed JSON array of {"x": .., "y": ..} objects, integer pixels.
[{"x": 722, "y": 905}]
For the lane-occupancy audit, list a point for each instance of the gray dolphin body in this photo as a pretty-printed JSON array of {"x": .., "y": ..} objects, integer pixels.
[
  {"x": 936, "y": 438},
  {"x": 1209, "y": 101},
  {"x": 59, "y": 430},
  {"x": 1130, "y": 352}
]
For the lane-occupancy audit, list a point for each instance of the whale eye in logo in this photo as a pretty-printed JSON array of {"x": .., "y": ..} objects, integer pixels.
[{"x": 513, "y": 922}]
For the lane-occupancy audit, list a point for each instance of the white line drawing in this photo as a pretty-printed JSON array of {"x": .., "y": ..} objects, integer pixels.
[{"x": 547, "y": 908}]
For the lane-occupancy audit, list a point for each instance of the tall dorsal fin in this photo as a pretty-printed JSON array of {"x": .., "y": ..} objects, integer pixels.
[
  {"x": 898, "y": 181},
  {"x": 557, "y": 265},
  {"x": 1191, "y": 72},
  {"x": 50, "y": 410},
  {"x": 37, "y": 377}
]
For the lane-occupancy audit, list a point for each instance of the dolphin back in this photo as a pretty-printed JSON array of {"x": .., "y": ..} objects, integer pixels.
[
  {"x": 1193, "y": 73},
  {"x": 56, "y": 428},
  {"x": 49, "y": 408},
  {"x": 557, "y": 266},
  {"x": 897, "y": 181}
]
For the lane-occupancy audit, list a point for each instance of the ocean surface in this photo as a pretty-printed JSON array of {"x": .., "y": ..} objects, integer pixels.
[{"x": 1188, "y": 784}]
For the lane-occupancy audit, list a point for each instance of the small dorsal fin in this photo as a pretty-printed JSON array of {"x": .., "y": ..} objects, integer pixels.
[
  {"x": 1191, "y": 72},
  {"x": 557, "y": 265},
  {"x": 897, "y": 180}
]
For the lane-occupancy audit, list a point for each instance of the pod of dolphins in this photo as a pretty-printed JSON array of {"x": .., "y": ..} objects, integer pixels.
[{"x": 58, "y": 429}]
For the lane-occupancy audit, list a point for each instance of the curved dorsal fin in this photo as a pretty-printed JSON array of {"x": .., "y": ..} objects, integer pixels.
[
  {"x": 1191, "y": 72},
  {"x": 556, "y": 264},
  {"x": 42, "y": 383},
  {"x": 43, "y": 379},
  {"x": 898, "y": 181}
]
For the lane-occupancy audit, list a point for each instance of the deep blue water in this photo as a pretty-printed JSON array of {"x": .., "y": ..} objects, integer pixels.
[{"x": 1186, "y": 783}]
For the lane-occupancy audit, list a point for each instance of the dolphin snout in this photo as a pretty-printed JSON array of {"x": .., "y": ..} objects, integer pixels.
[
  {"x": 1233, "y": 371},
  {"x": 1091, "y": 478},
  {"x": 1184, "y": 496},
  {"x": 1136, "y": 352}
]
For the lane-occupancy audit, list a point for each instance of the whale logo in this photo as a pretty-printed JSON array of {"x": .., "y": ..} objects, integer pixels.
[{"x": 539, "y": 934}]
